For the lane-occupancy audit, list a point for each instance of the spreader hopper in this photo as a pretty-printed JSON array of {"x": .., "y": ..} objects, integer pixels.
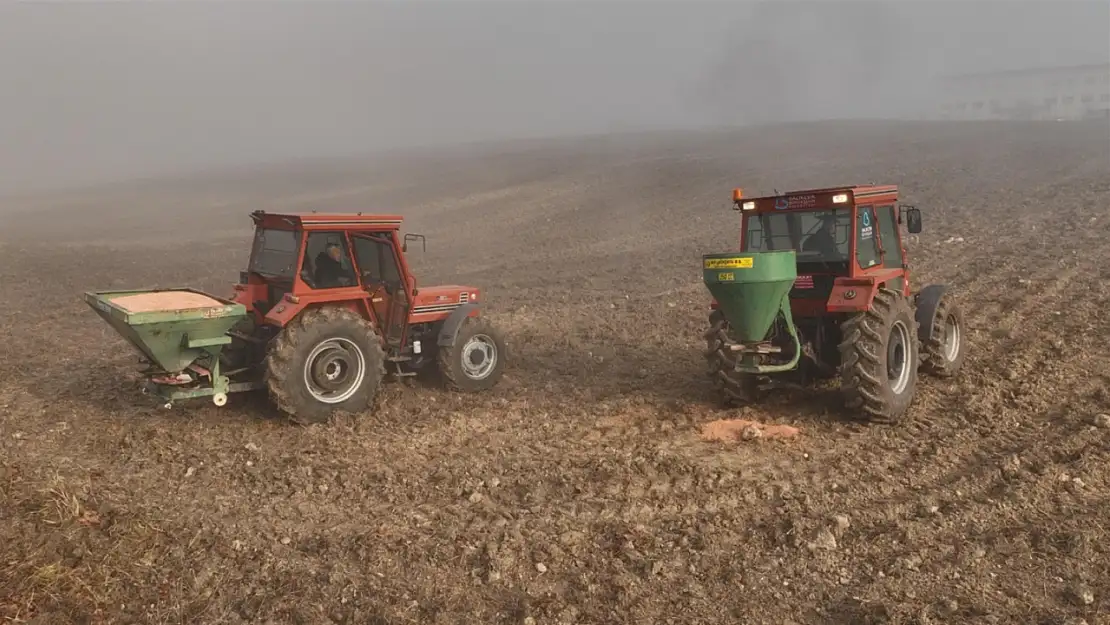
[
  {"x": 752, "y": 290},
  {"x": 173, "y": 327}
]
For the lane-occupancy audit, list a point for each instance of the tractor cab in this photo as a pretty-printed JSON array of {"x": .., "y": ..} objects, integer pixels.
[
  {"x": 837, "y": 234},
  {"x": 300, "y": 260}
]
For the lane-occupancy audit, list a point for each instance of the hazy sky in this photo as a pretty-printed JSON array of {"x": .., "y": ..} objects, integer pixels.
[{"x": 102, "y": 90}]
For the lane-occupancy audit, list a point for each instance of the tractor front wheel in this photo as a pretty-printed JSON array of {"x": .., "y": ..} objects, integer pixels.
[
  {"x": 477, "y": 359},
  {"x": 879, "y": 358},
  {"x": 327, "y": 359},
  {"x": 943, "y": 351},
  {"x": 733, "y": 387}
]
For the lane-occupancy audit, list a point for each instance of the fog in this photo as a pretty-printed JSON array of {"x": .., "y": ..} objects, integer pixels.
[{"x": 95, "y": 92}]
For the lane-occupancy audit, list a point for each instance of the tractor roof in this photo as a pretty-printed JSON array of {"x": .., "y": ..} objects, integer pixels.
[
  {"x": 856, "y": 190},
  {"x": 328, "y": 221},
  {"x": 813, "y": 199}
]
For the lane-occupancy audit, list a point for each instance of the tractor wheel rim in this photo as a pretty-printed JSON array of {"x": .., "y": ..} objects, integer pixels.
[
  {"x": 479, "y": 357},
  {"x": 897, "y": 367},
  {"x": 951, "y": 338},
  {"x": 334, "y": 370}
]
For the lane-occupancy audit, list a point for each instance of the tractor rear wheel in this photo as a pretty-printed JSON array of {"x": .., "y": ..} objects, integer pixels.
[
  {"x": 327, "y": 359},
  {"x": 879, "y": 358},
  {"x": 943, "y": 351},
  {"x": 733, "y": 387},
  {"x": 477, "y": 359}
]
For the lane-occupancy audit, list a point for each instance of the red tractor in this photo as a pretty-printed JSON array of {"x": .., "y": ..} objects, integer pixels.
[
  {"x": 331, "y": 303},
  {"x": 821, "y": 289},
  {"x": 325, "y": 305}
]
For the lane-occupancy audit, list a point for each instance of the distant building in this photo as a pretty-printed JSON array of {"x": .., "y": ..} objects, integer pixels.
[{"x": 1076, "y": 92}]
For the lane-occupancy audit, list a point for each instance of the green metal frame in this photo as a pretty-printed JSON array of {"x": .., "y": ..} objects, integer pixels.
[
  {"x": 172, "y": 340},
  {"x": 753, "y": 290}
]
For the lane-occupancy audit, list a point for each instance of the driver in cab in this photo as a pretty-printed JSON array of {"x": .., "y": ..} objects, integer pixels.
[
  {"x": 329, "y": 268},
  {"x": 824, "y": 240}
]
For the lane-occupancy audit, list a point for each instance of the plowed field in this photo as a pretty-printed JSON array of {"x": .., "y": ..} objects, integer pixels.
[{"x": 579, "y": 491}]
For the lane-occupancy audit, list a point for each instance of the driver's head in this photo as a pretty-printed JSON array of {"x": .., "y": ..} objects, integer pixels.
[
  {"x": 828, "y": 224},
  {"x": 333, "y": 251}
]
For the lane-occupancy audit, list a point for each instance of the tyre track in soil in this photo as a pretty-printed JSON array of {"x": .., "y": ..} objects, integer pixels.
[{"x": 976, "y": 476}]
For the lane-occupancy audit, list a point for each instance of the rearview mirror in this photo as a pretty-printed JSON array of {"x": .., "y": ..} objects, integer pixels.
[{"x": 913, "y": 220}]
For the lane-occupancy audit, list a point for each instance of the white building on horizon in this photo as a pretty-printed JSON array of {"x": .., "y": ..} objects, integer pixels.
[{"x": 1071, "y": 93}]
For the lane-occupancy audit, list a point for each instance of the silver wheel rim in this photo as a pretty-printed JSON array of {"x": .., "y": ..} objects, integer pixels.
[
  {"x": 479, "y": 357},
  {"x": 897, "y": 358},
  {"x": 334, "y": 370},
  {"x": 951, "y": 338}
]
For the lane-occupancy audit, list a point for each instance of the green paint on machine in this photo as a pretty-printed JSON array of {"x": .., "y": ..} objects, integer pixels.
[
  {"x": 175, "y": 330},
  {"x": 752, "y": 290},
  {"x": 170, "y": 338}
]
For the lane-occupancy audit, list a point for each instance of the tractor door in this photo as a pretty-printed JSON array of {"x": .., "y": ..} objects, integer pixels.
[
  {"x": 890, "y": 242},
  {"x": 380, "y": 274},
  {"x": 867, "y": 240}
]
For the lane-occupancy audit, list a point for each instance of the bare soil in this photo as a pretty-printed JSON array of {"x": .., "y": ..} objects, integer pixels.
[{"x": 580, "y": 490}]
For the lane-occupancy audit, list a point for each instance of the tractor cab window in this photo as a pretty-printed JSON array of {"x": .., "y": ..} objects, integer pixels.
[
  {"x": 327, "y": 261},
  {"x": 816, "y": 236},
  {"x": 377, "y": 261},
  {"x": 867, "y": 244},
  {"x": 274, "y": 253},
  {"x": 888, "y": 236}
]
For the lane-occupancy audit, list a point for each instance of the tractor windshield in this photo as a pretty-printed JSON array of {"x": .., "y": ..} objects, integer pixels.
[
  {"x": 816, "y": 236},
  {"x": 275, "y": 252}
]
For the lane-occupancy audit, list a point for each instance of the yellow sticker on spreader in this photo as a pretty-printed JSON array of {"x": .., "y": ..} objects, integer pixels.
[
  {"x": 726, "y": 276},
  {"x": 729, "y": 263}
]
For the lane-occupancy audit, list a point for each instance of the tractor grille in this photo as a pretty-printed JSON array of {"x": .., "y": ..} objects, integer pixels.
[{"x": 464, "y": 297}]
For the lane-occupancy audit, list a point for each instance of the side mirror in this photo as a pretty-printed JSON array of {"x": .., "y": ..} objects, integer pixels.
[
  {"x": 913, "y": 220},
  {"x": 414, "y": 237},
  {"x": 912, "y": 217}
]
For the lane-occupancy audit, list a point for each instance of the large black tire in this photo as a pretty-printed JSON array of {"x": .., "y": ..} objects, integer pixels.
[
  {"x": 878, "y": 345},
  {"x": 326, "y": 360},
  {"x": 733, "y": 388},
  {"x": 476, "y": 361},
  {"x": 943, "y": 352}
]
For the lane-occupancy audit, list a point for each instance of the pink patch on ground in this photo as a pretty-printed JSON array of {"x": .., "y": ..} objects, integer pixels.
[{"x": 732, "y": 430}]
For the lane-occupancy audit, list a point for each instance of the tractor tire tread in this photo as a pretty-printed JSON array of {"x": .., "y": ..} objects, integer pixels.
[
  {"x": 863, "y": 343},
  {"x": 935, "y": 362},
  {"x": 453, "y": 378},
  {"x": 280, "y": 365},
  {"x": 732, "y": 388}
]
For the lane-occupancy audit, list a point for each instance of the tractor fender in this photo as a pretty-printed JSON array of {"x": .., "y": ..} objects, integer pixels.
[
  {"x": 926, "y": 301},
  {"x": 450, "y": 328}
]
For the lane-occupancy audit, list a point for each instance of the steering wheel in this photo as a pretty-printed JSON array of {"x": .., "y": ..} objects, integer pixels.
[{"x": 374, "y": 285}]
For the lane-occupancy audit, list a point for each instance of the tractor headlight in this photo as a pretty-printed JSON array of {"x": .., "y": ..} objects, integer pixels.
[
  {"x": 748, "y": 206},
  {"x": 840, "y": 198}
]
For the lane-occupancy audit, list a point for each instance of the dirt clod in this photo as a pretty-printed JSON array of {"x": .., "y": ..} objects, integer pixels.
[
  {"x": 743, "y": 429},
  {"x": 1082, "y": 594}
]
